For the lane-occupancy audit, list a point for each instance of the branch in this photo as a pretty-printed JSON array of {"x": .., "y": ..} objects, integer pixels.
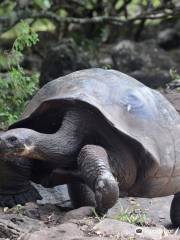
[
  {"x": 98, "y": 19},
  {"x": 9, "y": 22},
  {"x": 124, "y": 6}
]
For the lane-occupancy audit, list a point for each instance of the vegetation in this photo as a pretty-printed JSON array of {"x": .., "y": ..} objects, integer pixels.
[
  {"x": 133, "y": 216},
  {"x": 18, "y": 209},
  {"x": 175, "y": 76},
  {"x": 97, "y": 216},
  {"x": 17, "y": 86},
  {"x": 100, "y": 16}
]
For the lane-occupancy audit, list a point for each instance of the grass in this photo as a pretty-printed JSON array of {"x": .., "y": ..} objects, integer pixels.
[
  {"x": 133, "y": 215},
  {"x": 97, "y": 216},
  {"x": 18, "y": 209}
]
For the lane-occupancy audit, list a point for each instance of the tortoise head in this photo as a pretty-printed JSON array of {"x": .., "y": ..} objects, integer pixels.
[
  {"x": 15, "y": 176},
  {"x": 17, "y": 142},
  {"x": 15, "y": 172}
]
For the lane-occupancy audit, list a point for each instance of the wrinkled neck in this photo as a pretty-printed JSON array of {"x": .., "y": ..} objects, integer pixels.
[{"x": 65, "y": 143}]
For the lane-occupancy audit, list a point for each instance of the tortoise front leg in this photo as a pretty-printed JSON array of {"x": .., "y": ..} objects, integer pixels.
[
  {"x": 95, "y": 170},
  {"x": 81, "y": 195},
  {"x": 60, "y": 177}
]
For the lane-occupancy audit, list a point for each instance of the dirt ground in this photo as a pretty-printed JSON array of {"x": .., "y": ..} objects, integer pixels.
[{"x": 51, "y": 218}]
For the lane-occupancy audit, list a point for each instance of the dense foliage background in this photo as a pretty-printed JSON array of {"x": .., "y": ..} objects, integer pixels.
[{"x": 29, "y": 28}]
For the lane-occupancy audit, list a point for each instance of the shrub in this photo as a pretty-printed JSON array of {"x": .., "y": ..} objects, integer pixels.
[{"x": 17, "y": 86}]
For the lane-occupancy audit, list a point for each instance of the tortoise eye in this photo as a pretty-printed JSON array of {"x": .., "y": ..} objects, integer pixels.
[{"x": 12, "y": 139}]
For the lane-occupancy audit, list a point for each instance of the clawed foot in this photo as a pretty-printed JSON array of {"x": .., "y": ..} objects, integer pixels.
[
  {"x": 106, "y": 193},
  {"x": 93, "y": 163}
]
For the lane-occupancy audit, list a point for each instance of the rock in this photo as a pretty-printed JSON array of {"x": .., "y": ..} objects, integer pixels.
[
  {"x": 173, "y": 97},
  {"x": 67, "y": 231},
  {"x": 44, "y": 237},
  {"x": 171, "y": 237},
  {"x": 57, "y": 195},
  {"x": 62, "y": 59},
  {"x": 168, "y": 39},
  {"x": 126, "y": 58},
  {"x": 23, "y": 223},
  {"x": 174, "y": 84},
  {"x": 145, "y": 61},
  {"x": 79, "y": 213},
  {"x": 13, "y": 226},
  {"x": 154, "y": 79},
  {"x": 31, "y": 210},
  {"x": 9, "y": 230},
  {"x": 95, "y": 238},
  {"x": 115, "y": 227},
  {"x": 156, "y": 210}
]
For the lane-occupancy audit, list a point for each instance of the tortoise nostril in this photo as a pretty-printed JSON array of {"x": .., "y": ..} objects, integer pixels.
[{"x": 12, "y": 139}]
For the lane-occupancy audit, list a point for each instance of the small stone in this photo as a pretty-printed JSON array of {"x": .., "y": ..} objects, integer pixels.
[
  {"x": 32, "y": 210},
  {"x": 168, "y": 39},
  {"x": 79, "y": 213}
]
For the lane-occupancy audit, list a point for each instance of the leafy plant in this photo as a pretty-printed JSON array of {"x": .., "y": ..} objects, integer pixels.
[
  {"x": 18, "y": 209},
  {"x": 133, "y": 216},
  {"x": 17, "y": 86},
  {"x": 96, "y": 215},
  {"x": 174, "y": 75}
]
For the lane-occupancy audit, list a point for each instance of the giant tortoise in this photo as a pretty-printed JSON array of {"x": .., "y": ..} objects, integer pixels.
[{"x": 112, "y": 133}]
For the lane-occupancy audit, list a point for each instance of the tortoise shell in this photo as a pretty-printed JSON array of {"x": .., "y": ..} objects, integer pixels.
[{"x": 132, "y": 109}]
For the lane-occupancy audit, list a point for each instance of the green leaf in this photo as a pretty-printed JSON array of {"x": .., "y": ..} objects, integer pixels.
[
  {"x": 17, "y": 86},
  {"x": 43, "y": 4}
]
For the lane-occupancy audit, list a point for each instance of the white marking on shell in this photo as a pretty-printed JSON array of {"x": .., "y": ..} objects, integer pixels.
[{"x": 129, "y": 107}]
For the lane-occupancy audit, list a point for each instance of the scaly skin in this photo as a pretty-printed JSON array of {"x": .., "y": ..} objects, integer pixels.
[
  {"x": 15, "y": 186},
  {"x": 31, "y": 144},
  {"x": 77, "y": 145},
  {"x": 93, "y": 163}
]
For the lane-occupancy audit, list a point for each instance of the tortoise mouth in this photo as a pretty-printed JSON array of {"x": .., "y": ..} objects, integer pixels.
[
  {"x": 12, "y": 151},
  {"x": 9, "y": 154},
  {"x": 19, "y": 154}
]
